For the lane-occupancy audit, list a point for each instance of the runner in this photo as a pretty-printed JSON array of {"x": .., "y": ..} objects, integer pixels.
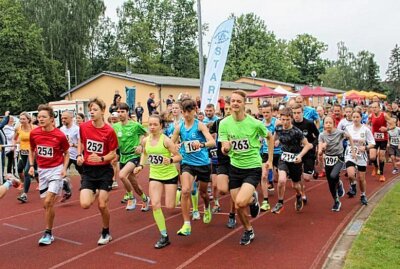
[
  {"x": 309, "y": 112},
  {"x": 98, "y": 145},
  {"x": 347, "y": 120},
  {"x": 240, "y": 137},
  {"x": 195, "y": 139},
  {"x": 130, "y": 134},
  {"x": 161, "y": 153},
  {"x": 394, "y": 146},
  {"x": 294, "y": 147},
  {"x": 331, "y": 144},
  {"x": 337, "y": 113},
  {"x": 363, "y": 140},
  {"x": 379, "y": 129},
  {"x": 50, "y": 147},
  {"x": 209, "y": 114},
  {"x": 71, "y": 131}
]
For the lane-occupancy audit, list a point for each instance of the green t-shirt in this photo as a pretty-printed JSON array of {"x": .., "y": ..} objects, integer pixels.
[
  {"x": 128, "y": 139},
  {"x": 245, "y": 138}
]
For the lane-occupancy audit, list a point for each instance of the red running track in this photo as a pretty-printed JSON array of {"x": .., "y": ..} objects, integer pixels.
[{"x": 287, "y": 240}]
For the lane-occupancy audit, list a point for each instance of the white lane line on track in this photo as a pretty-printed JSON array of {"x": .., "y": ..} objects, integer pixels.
[
  {"x": 135, "y": 257},
  {"x": 68, "y": 241},
  {"x": 15, "y": 227}
]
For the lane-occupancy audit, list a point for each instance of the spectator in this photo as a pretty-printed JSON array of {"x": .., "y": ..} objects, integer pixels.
[
  {"x": 221, "y": 103},
  {"x": 9, "y": 132},
  {"x": 3, "y": 139},
  {"x": 151, "y": 104},
  {"x": 170, "y": 100},
  {"x": 139, "y": 112},
  {"x": 116, "y": 101}
]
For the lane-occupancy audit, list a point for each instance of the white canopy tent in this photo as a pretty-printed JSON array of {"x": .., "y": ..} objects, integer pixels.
[{"x": 279, "y": 89}]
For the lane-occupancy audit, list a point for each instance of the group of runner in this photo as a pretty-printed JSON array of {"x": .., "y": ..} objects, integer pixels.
[{"x": 237, "y": 155}]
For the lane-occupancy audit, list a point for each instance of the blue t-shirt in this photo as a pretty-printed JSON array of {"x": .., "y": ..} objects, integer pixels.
[
  {"x": 264, "y": 145},
  {"x": 310, "y": 113},
  {"x": 208, "y": 120}
]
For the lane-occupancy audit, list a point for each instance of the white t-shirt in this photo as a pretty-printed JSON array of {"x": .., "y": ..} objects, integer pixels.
[
  {"x": 72, "y": 135},
  {"x": 394, "y": 136},
  {"x": 361, "y": 137},
  {"x": 343, "y": 123}
]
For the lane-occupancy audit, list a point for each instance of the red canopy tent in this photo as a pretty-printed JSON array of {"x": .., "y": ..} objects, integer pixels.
[
  {"x": 319, "y": 91},
  {"x": 306, "y": 91},
  {"x": 264, "y": 91},
  {"x": 316, "y": 92}
]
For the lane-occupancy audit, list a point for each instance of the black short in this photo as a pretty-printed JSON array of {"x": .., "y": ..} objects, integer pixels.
[
  {"x": 167, "y": 181},
  {"x": 381, "y": 145},
  {"x": 201, "y": 173},
  {"x": 223, "y": 169},
  {"x": 359, "y": 167},
  {"x": 293, "y": 170},
  {"x": 394, "y": 151},
  {"x": 78, "y": 168},
  {"x": 135, "y": 161},
  {"x": 309, "y": 164},
  {"x": 238, "y": 176},
  {"x": 275, "y": 160},
  {"x": 97, "y": 177},
  {"x": 214, "y": 168}
]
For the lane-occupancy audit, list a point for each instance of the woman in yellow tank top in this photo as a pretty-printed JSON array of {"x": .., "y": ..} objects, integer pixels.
[
  {"x": 22, "y": 134},
  {"x": 161, "y": 153}
]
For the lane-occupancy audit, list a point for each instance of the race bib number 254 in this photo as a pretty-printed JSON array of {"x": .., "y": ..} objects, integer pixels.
[{"x": 46, "y": 152}]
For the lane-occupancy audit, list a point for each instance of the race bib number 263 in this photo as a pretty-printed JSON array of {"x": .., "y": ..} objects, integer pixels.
[{"x": 240, "y": 145}]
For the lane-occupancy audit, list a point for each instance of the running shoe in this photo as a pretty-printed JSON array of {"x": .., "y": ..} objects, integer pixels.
[
  {"x": 114, "y": 185},
  {"x": 322, "y": 174},
  {"x": 23, "y": 198},
  {"x": 131, "y": 205},
  {"x": 46, "y": 239},
  {"x": 247, "y": 237},
  {"x": 67, "y": 185},
  {"x": 278, "y": 208},
  {"x": 207, "y": 215},
  {"x": 299, "y": 203},
  {"x": 196, "y": 215},
  {"x": 178, "y": 197},
  {"x": 146, "y": 205},
  {"x": 127, "y": 196},
  {"x": 185, "y": 230},
  {"x": 305, "y": 200},
  {"x": 163, "y": 242},
  {"x": 271, "y": 186},
  {"x": 336, "y": 206},
  {"x": 353, "y": 190},
  {"x": 340, "y": 189},
  {"x": 265, "y": 206},
  {"x": 66, "y": 196},
  {"x": 231, "y": 223},
  {"x": 364, "y": 200},
  {"x": 382, "y": 178},
  {"x": 216, "y": 209},
  {"x": 104, "y": 239},
  {"x": 395, "y": 171},
  {"x": 255, "y": 205},
  {"x": 373, "y": 171}
]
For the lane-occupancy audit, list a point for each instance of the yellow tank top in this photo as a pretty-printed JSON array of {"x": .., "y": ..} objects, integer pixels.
[{"x": 24, "y": 136}]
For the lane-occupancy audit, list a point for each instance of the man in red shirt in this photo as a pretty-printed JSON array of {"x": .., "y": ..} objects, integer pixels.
[
  {"x": 337, "y": 113},
  {"x": 50, "y": 147},
  {"x": 98, "y": 144},
  {"x": 221, "y": 103}
]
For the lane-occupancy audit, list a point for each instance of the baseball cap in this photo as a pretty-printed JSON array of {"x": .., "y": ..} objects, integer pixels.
[{"x": 115, "y": 114}]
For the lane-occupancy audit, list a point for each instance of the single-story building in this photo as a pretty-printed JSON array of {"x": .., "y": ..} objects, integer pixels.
[
  {"x": 267, "y": 82},
  {"x": 106, "y": 84}
]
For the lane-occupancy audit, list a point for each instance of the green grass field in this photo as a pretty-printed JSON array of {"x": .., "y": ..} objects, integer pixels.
[{"x": 378, "y": 245}]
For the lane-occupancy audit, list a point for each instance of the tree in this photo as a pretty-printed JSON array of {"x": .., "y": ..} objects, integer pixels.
[
  {"x": 305, "y": 53},
  {"x": 366, "y": 71},
  {"x": 29, "y": 77},
  {"x": 393, "y": 73}
]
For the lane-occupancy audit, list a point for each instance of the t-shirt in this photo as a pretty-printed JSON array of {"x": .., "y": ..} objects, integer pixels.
[
  {"x": 221, "y": 103},
  {"x": 310, "y": 131},
  {"x": 149, "y": 106},
  {"x": 361, "y": 137},
  {"x": 394, "y": 136},
  {"x": 343, "y": 124},
  {"x": 222, "y": 158},
  {"x": 245, "y": 139},
  {"x": 290, "y": 139},
  {"x": 271, "y": 128},
  {"x": 139, "y": 111},
  {"x": 97, "y": 140},
  {"x": 72, "y": 135},
  {"x": 210, "y": 120},
  {"x": 310, "y": 113},
  {"x": 334, "y": 142},
  {"x": 128, "y": 139},
  {"x": 24, "y": 140},
  {"x": 49, "y": 147}
]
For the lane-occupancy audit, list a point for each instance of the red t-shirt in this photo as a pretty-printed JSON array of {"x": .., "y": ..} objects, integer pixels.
[
  {"x": 97, "y": 140},
  {"x": 221, "y": 103},
  {"x": 49, "y": 147},
  {"x": 376, "y": 124}
]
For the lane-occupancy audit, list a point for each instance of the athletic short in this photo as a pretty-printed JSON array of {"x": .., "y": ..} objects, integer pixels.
[
  {"x": 394, "y": 151},
  {"x": 214, "y": 168},
  {"x": 77, "y": 167},
  {"x": 135, "y": 161},
  {"x": 223, "y": 169},
  {"x": 97, "y": 177},
  {"x": 238, "y": 176},
  {"x": 167, "y": 181},
  {"x": 309, "y": 164},
  {"x": 359, "y": 167},
  {"x": 201, "y": 173},
  {"x": 275, "y": 160},
  {"x": 381, "y": 145},
  {"x": 293, "y": 170},
  {"x": 50, "y": 180}
]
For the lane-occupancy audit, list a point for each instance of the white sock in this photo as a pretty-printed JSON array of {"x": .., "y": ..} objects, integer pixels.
[{"x": 7, "y": 184}]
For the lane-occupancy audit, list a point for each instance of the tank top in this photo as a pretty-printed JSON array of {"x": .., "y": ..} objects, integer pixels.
[
  {"x": 378, "y": 122},
  {"x": 24, "y": 141},
  {"x": 156, "y": 154},
  {"x": 190, "y": 156}
]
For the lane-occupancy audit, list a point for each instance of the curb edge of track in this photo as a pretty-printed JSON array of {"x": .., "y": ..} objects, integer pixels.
[{"x": 341, "y": 247}]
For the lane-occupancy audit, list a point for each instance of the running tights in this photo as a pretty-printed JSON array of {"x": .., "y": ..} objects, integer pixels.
[{"x": 332, "y": 174}]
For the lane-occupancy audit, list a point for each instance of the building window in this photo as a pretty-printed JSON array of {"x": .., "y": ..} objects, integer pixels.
[{"x": 249, "y": 100}]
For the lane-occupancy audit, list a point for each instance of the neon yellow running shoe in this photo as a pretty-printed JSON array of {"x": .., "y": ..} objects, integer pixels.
[
  {"x": 207, "y": 215},
  {"x": 265, "y": 206},
  {"x": 185, "y": 230}
]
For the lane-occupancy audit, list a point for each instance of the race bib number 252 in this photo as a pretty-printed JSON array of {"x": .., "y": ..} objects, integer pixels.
[{"x": 94, "y": 146}]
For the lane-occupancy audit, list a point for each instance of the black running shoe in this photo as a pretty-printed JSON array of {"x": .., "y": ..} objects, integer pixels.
[
  {"x": 231, "y": 224},
  {"x": 336, "y": 205},
  {"x": 340, "y": 189},
  {"x": 255, "y": 205},
  {"x": 247, "y": 237},
  {"x": 163, "y": 242},
  {"x": 278, "y": 208},
  {"x": 351, "y": 193},
  {"x": 66, "y": 196},
  {"x": 364, "y": 200},
  {"x": 299, "y": 203}
]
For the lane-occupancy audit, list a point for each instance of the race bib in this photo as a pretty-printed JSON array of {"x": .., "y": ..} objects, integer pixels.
[
  {"x": 240, "y": 144},
  {"x": 46, "y": 152},
  {"x": 331, "y": 160},
  {"x": 379, "y": 135},
  {"x": 94, "y": 146},
  {"x": 355, "y": 149},
  {"x": 288, "y": 157},
  {"x": 394, "y": 141},
  {"x": 24, "y": 152},
  {"x": 155, "y": 159},
  {"x": 213, "y": 153},
  {"x": 188, "y": 145}
]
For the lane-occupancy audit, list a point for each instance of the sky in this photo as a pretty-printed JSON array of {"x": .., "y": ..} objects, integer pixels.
[{"x": 372, "y": 25}]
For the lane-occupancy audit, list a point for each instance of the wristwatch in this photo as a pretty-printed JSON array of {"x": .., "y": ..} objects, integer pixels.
[{"x": 102, "y": 158}]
